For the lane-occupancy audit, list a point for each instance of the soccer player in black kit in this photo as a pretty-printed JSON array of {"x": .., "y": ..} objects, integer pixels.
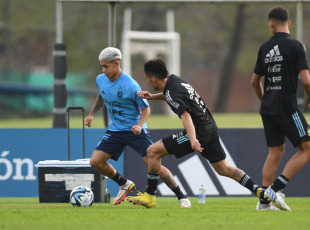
[
  {"x": 200, "y": 132},
  {"x": 280, "y": 60}
]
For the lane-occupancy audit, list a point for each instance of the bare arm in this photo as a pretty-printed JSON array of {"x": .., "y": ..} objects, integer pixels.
[
  {"x": 150, "y": 96},
  {"x": 97, "y": 105},
  {"x": 305, "y": 79},
  {"x": 136, "y": 129},
  {"x": 257, "y": 86},
  {"x": 190, "y": 129}
]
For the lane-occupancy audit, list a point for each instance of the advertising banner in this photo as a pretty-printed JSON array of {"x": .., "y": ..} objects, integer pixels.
[
  {"x": 22, "y": 149},
  {"x": 245, "y": 149}
]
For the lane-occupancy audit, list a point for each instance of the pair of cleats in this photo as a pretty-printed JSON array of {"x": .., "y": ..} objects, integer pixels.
[
  {"x": 149, "y": 201},
  {"x": 277, "y": 201},
  {"x": 142, "y": 199}
]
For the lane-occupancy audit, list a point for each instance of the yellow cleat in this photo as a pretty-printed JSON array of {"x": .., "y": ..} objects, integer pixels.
[
  {"x": 258, "y": 192},
  {"x": 143, "y": 199}
]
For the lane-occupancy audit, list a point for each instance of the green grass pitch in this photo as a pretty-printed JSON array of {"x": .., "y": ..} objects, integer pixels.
[
  {"x": 224, "y": 120},
  {"x": 217, "y": 213}
]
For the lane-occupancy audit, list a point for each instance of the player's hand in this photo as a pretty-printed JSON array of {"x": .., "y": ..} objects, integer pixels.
[
  {"x": 136, "y": 129},
  {"x": 144, "y": 94},
  {"x": 88, "y": 120},
  {"x": 196, "y": 146},
  {"x": 308, "y": 102}
]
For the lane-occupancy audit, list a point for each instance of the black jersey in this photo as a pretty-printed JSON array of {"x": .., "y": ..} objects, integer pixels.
[
  {"x": 181, "y": 96},
  {"x": 280, "y": 59}
]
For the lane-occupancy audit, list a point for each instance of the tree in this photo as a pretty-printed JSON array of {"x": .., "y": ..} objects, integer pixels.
[{"x": 231, "y": 60}]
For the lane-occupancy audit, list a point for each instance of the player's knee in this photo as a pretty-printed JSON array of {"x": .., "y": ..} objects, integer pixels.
[
  {"x": 152, "y": 152},
  {"x": 96, "y": 164},
  {"x": 93, "y": 163}
]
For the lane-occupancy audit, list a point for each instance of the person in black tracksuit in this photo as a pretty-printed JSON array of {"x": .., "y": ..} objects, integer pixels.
[
  {"x": 281, "y": 59},
  {"x": 200, "y": 133}
]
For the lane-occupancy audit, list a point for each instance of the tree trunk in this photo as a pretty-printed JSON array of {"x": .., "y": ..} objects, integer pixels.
[{"x": 230, "y": 62}]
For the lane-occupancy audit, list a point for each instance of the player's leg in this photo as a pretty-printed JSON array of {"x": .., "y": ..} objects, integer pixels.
[
  {"x": 275, "y": 138},
  {"x": 269, "y": 170},
  {"x": 271, "y": 164},
  {"x": 154, "y": 154},
  {"x": 166, "y": 146},
  {"x": 293, "y": 166},
  {"x": 111, "y": 147},
  {"x": 99, "y": 162},
  {"x": 167, "y": 177},
  {"x": 141, "y": 143},
  {"x": 296, "y": 129},
  {"x": 215, "y": 154},
  {"x": 224, "y": 169}
]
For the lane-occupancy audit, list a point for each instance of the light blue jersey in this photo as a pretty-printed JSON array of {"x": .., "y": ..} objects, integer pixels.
[{"x": 123, "y": 104}]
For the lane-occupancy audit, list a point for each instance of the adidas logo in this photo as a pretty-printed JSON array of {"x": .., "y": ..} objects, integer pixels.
[
  {"x": 201, "y": 174},
  {"x": 273, "y": 55}
]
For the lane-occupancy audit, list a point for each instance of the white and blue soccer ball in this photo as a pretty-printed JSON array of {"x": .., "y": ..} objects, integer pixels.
[{"x": 81, "y": 196}]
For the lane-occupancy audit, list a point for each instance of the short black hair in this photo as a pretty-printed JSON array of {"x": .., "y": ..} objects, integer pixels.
[
  {"x": 278, "y": 13},
  {"x": 156, "y": 67}
]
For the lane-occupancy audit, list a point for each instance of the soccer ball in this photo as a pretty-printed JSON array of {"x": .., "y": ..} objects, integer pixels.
[{"x": 81, "y": 196}]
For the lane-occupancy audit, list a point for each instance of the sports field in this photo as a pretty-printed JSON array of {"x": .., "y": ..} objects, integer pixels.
[
  {"x": 224, "y": 120},
  {"x": 216, "y": 213}
]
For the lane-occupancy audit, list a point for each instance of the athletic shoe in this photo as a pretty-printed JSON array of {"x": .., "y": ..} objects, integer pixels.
[
  {"x": 143, "y": 199},
  {"x": 258, "y": 192},
  {"x": 266, "y": 207},
  {"x": 277, "y": 198},
  {"x": 185, "y": 203},
  {"x": 123, "y": 191}
]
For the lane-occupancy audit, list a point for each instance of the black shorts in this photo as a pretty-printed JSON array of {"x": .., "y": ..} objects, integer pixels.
[
  {"x": 294, "y": 127},
  {"x": 179, "y": 145}
]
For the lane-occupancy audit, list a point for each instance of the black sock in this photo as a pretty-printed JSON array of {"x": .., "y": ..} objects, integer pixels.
[
  {"x": 177, "y": 191},
  {"x": 279, "y": 183},
  {"x": 119, "y": 179},
  {"x": 263, "y": 200},
  {"x": 152, "y": 181},
  {"x": 247, "y": 182}
]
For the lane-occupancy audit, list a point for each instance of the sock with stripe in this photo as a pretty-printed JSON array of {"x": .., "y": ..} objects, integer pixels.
[
  {"x": 279, "y": 183},
  {"x": 247, "y": 182},
  {"x": 119, "y": 179},
  {"x": 177, "y": 191},
  {"x": 152, "y": 182}
]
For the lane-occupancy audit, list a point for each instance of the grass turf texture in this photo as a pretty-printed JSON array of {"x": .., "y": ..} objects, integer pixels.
[
  {"x": 216, "y": 213},
  {"x": 225, "y": 120}
]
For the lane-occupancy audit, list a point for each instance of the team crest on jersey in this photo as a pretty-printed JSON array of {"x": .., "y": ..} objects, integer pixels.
[{"x": 119, "y": 92}]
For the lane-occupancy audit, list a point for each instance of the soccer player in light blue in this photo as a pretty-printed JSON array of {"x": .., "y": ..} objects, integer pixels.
[{"x": 128, "y": 114}]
